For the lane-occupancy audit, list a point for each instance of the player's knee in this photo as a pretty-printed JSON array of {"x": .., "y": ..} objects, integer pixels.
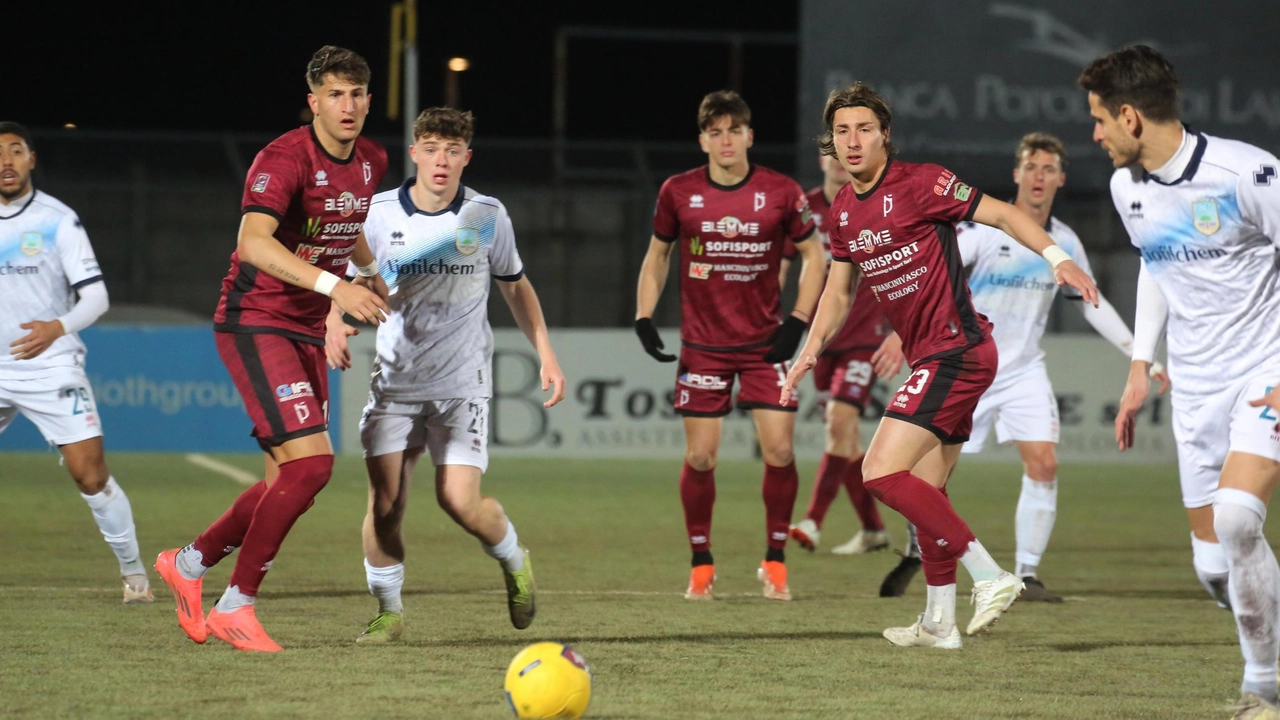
[
  {"x": 90, "y": 478},
  {"x": 778, "y": 455},
  {"x": 463, "y": 508},
  {"x": 700, "y": 459},
  {"x": 1235, "y": 524},
  {"x": 842, "y": 436},
  {"x": 1042, "y": 468}
]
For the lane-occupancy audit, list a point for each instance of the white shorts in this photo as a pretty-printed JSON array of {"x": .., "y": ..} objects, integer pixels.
[
  {"x": 61, "y": 405},
  {"x": 1207, "y": 427},
  {"x": 1023, "y": 409},
  {"x": 455, "y": 432}
]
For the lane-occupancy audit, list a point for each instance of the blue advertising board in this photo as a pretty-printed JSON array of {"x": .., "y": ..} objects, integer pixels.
[{"x": 161, "y": 388}]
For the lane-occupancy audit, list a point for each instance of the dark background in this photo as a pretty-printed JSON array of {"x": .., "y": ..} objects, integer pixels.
[{"x": 238, "y": 67}]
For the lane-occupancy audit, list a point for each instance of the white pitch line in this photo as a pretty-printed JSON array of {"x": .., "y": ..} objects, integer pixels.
[{"x": 243, "y": 477}]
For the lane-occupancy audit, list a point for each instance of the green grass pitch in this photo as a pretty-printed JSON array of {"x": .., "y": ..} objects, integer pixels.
[{"x": 1138, "y": 637}]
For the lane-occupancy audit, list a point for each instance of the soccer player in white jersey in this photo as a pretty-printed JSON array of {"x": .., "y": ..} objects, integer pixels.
[
  {"x": 45, "y": 261},
  {"x": 1204, "y": 213},
  {"x": 1014, "y": 288},
  {"x": 437, "y": 243}
]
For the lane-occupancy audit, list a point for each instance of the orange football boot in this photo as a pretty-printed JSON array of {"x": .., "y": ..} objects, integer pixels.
[
  {"x": 774, "y": 576},
  {"x": 700, "y": 581},
  {"x": 240, "y": 629},
  {"x": 186, "y": 594}
]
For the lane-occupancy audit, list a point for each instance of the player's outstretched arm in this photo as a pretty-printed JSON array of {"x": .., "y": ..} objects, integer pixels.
[
  {"x": 1020, "y": 227},
  {"x": 257, "y": 246},
  {"x": 833, "y": 308},
  {"x": 523, "y": 301},
  {"x": 653, "y": 278}
]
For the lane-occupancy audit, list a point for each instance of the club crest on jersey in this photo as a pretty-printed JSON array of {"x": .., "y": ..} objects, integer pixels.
[
  {"x": 1205, "y": 214},
  {"x": 367, "y": 169},
  {"x": 760, "y": 202},
  {"x": 467, "y": 241},
  {"x": 32, "y": 244}
]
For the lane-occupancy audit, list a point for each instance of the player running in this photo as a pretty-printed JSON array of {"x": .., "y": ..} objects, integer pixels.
[
  {"x": 843, "y": 377},
  {"x": 1204, "y": 212},
  {"x": 45, "y": 261},
  {"x": 731, "y": 219},
  {"x": 438, "y": 243},
  {"x": 897, "y": 221},
  {"x": 1015, "y": 289},
  {"x": 305, "y": 201}
]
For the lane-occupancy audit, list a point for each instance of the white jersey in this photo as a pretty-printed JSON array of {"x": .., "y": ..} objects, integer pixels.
[
  {"x": 1207, "y": 226},
  {"x": 1014, "y": 287},
  {"x": 45, "y": 256},
  {"x": 437, "y": 343}
]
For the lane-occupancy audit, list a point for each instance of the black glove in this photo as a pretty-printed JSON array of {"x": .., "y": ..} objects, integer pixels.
[
  {"x": 786, "y": 340},
  {"x": 651, "y": 341}
]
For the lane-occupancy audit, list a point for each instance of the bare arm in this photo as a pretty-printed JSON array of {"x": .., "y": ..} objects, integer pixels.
[
  {"x": 813, "y": 270},
  {"x": 257, "y": 246},
  {"x": 783, "y": 267},
  {"x": 523, "y": 301},
  {"x": 1020, "y": 227},
  {"x": 833, "y": 308},
  {"x": 653, "y": 276}
]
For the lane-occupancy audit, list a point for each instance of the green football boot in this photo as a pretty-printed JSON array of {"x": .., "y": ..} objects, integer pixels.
[
  {"x": 385, "y": 627},
  {"x": 521, "y": 594}
]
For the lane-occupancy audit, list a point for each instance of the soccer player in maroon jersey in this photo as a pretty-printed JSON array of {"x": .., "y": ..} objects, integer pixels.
[
  {"x": 304, "y": 205},
  {"x": 896, "y": 220},
  {"x": 843, "y": 377},
  {"x": 731, "y": 219}
]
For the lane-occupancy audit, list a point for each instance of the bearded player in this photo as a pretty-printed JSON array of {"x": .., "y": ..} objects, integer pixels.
[
  {"x": 731, "y": 219},
  {"x": 897, "y": 221}
]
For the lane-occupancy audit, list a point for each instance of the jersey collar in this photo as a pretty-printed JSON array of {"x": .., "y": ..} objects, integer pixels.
[
  {"x": 1193, "y": 163},
  {"x": 30, "y": 198},
  {"x": 406, "y": 200},
  {"x": 341, "y": 161},
  {"x": 863, "y": 196},
  {"x": 751, "y": 169}
]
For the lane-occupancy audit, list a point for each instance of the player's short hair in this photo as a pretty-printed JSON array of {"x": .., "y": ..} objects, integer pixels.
[
  {"x": 720, "y": 103},
  {"x": 855, "y": 95},
  {"x": 8, "y": 127},
  {"x": 342, "y": 63},
  {"x": 1031, "y": 142},
  {"x": 444, "y": 122},
  {"x": 1137, "y": 76}
]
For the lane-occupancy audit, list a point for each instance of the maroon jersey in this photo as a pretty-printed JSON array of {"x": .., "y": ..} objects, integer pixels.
[
  {"x": 320, "y": 203},
  {"x": 902, "y": 235},
  {"x": 731, "y": 240},
  {"x": 866, "y": 326}
]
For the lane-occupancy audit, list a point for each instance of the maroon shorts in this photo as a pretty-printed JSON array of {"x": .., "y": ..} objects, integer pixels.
[
  {"x": 704, "y": 384},
  {"x": 941, "y": 394},
  {"x": 284, "y": 384},
  {"x": 845, "y": 377}
]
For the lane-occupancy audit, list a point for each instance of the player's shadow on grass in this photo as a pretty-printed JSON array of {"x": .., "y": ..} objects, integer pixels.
[
  {"x": 1081, "y": 647},
  {"x": 711, "y": 637}
]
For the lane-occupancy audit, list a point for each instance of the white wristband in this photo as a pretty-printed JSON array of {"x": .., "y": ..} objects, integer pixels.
[
  {"x": 326, "y": 283},
  {"x": 1055, "y": 255},
  {"x": 1156, "y": 369},
  {"x": 367, "y": 270}
]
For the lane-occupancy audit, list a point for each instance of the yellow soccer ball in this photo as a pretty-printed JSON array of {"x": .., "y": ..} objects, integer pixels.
[{"x": 548, "y": 680}]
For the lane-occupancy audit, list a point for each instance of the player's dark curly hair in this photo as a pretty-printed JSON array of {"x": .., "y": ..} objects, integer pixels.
[
  {"x": 446, "y": 123},
  {"x": 856, "y": 95},
  {"x": 723, "y": 102},
  {"x": 8, "y": 127},
  {"x": 1136, "y": 76},
  {"x": 1031, "y": 142},
  {"x": 342, "y": 63}
]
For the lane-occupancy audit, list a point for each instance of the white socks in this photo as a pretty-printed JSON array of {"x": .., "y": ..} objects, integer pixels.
[
  {"x": 1210, "y": 562},
  {"x": 189, "y": 563},
  {"x": 1255, "y": 587},
  {"x": 1037, "y": 509},
  {"x": 507, "y": 551},
  {"x": 114, "y": 516},
  {"x": 233, "y": 600},
  {"x": 979, "y": 563},
  {"x": 384, "y": 584},
  {"x": 940, "y": 612}
]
